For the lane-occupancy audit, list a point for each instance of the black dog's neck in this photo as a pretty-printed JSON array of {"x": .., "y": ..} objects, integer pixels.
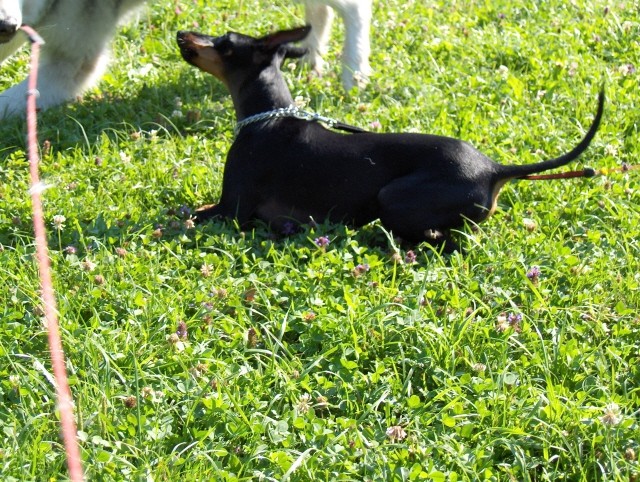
[{"x": 266, "y": 92}]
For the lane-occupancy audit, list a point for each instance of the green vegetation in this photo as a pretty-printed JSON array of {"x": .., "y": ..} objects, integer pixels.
[{"x": 208, "y": 353}]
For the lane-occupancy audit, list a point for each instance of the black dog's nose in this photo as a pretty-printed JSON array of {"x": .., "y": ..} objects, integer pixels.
[
  {"x": 186, "y": 49},
  {"x": 8, "y": 27},
  {"x": 181, "y": 35}
]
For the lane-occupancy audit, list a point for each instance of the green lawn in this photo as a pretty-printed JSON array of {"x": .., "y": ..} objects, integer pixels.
[{"x": 211, "y": 353}]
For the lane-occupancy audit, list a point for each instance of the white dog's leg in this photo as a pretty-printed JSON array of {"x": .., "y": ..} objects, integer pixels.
[
  {"x": 60, "y": 79},
  {"x": 355, "y": 56},
  {"x": 12, "y": 100},
  {"x": 356, "y": 15},
  {"x": 320, "y": 17}
]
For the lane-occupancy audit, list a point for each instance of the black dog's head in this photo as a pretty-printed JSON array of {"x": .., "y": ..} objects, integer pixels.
[{"x": 234, "y": 54}]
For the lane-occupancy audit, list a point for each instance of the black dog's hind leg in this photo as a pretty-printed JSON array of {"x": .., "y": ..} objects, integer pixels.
[{"x": 417, "y": 210}]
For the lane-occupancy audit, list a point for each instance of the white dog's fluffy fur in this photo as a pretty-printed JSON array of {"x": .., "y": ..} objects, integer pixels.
[{"x": 77, "y": 32}]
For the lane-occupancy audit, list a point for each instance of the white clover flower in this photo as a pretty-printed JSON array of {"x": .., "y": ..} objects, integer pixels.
[
  {"x": 612, "y": 415},
  {"x": 124, "y": 157},
  {"x": 479, "y": 367},
  {"x": 396, "y": 433},
  {"x": 304, "y": 403},
  {"x": 88, "y": 265},
  {"x": 300, "y": 101},
  {"x": 58, "y": 222}
]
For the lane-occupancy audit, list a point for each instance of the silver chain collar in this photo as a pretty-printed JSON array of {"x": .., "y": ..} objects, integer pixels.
[{"x": 291, "y": 111}]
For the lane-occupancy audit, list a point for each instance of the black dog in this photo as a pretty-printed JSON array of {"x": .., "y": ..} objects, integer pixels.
[{"x": 284, "y": 166}]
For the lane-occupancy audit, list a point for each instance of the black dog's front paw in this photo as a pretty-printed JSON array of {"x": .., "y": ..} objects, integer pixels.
[{"x": 206, "y": 212}]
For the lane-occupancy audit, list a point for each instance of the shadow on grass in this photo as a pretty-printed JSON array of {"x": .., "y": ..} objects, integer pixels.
[{"x": 78, "y": 124}]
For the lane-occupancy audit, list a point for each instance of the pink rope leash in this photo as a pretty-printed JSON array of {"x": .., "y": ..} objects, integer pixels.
[{"x": 65, "y": 401}]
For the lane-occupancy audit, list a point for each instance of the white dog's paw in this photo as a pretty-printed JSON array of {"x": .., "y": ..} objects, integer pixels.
[
  {"x": 357, "y": 78},
  {"x": 316, "y": 62},
  {"x": 13, "y": 101}
]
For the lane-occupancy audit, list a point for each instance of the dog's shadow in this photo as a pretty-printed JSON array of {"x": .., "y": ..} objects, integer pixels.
[{"x": 175, "y": 107}]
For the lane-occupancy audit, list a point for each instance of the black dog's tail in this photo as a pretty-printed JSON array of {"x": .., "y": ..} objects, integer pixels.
[{"x": 521, "y": 171}]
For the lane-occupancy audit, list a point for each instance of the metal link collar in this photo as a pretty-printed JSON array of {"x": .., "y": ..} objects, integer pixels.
[{"x": 291, "y": 111}]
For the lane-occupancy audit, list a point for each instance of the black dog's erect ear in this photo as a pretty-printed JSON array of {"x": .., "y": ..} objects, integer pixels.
[{"x": 277, "y": 39}]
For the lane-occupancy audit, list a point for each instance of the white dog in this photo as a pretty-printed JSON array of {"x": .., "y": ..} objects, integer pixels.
[{"x": 77, "y": 32}]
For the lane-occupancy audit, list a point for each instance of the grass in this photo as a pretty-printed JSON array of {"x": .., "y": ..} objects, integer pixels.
[{"x": 210, "y": 353}]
